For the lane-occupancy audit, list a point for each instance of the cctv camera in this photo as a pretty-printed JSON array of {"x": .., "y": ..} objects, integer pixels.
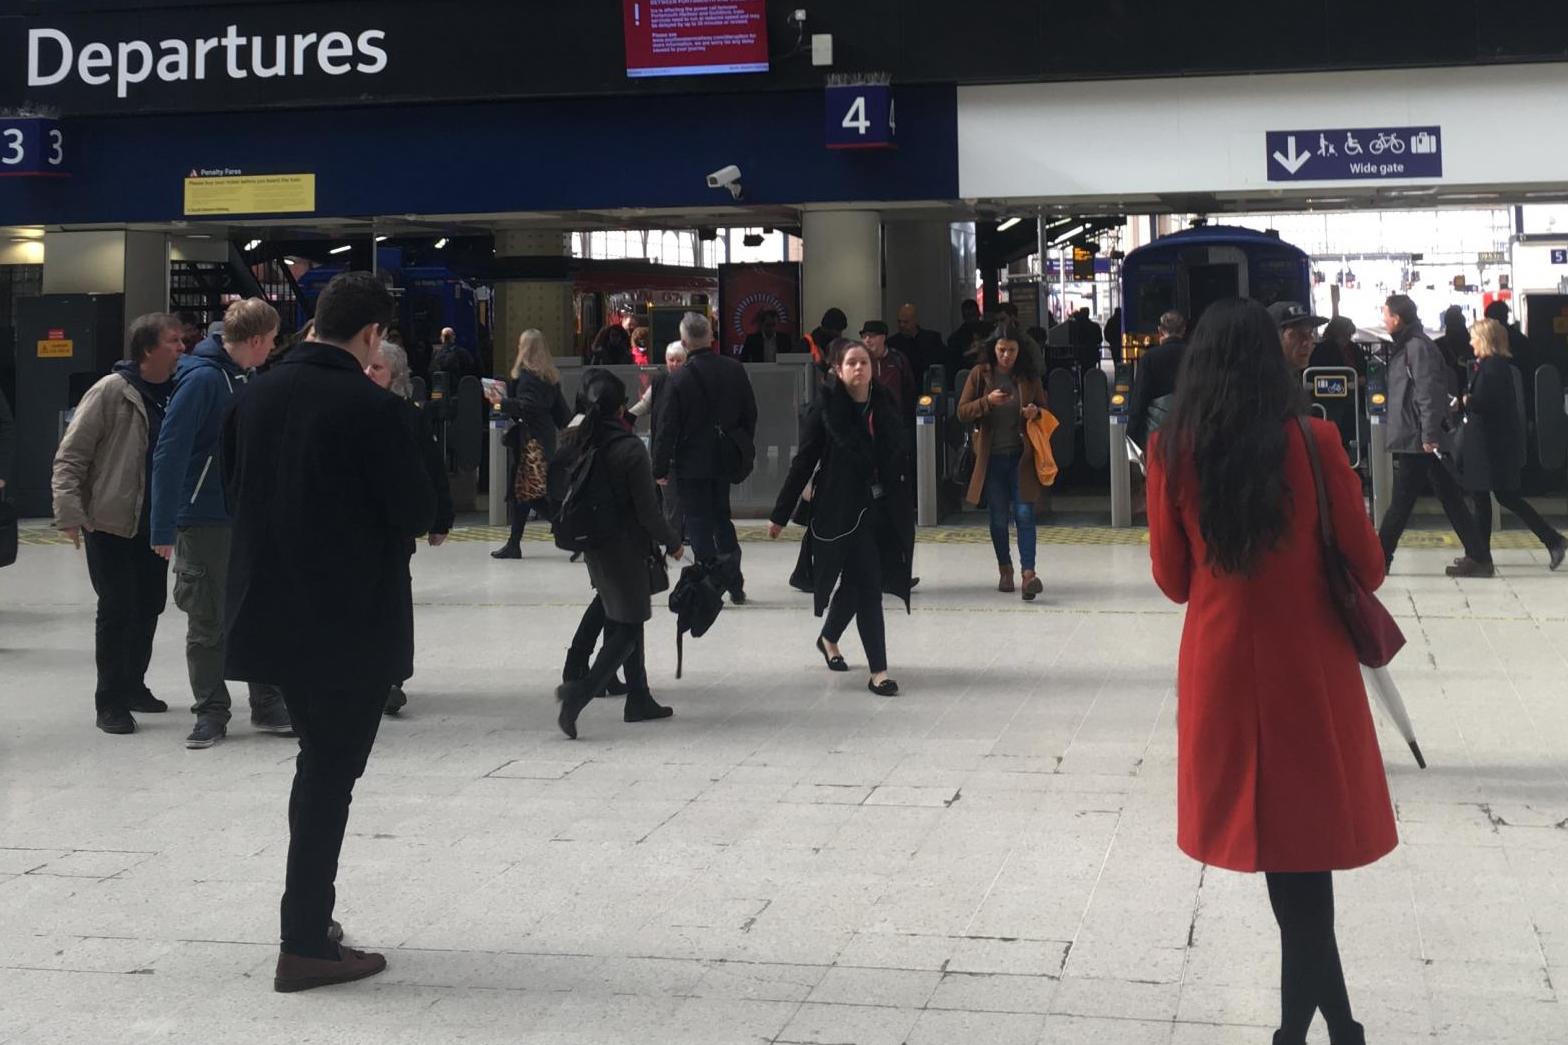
[{"x": 726, "y": 178}]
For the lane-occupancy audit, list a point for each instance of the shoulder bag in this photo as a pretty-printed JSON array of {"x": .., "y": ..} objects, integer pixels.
[
  {"x": 1372, "y": 629},
  {"x": 737, "y": 449}
]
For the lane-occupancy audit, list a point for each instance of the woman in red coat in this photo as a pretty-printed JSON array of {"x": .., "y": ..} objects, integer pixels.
[{"x": 1278, "y": 767}]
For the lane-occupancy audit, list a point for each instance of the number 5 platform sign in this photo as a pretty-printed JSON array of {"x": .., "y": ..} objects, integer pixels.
[
  {"x": 31, "y": 147},
  {"x": 860, "y": 116}
]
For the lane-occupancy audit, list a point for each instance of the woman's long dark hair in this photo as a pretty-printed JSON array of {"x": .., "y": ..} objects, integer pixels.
[
  {"x": 1234, "y": 394},
  {"x": 1027, "y": 365}
]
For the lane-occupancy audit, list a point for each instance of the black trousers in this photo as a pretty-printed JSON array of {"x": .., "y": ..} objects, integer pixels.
[
  {"x": 709, "y": 529},
  {"x": 337, "y": 728},
  {"x": 1413, "y": 473},
  {"x": 1515, "y": 503},
  {"x": 1311, "y": 977},
  {"x": 132, "y": 585},
  {"x": 859, "y": 596},
  {"x": 623, "y": 645}
]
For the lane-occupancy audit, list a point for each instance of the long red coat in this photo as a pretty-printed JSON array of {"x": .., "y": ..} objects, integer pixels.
[{"x": 1278, "y": 767}]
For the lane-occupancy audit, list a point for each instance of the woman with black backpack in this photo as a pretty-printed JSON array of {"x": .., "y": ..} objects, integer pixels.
[
  {"x": 862, "y": 531},
  {"x": 611, "y": 510}
]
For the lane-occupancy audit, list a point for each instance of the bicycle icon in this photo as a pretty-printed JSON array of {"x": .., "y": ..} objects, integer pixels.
[{"x": 1386, "y": 141}]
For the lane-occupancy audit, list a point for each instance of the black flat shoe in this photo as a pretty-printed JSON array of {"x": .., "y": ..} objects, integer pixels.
[
  {"x": 507, "y": 551},
  {"x": 885, "y": 688},
  {"x": 641, "y": 707},
  {"x": 1556, "y": 552},
  {"x": 834, "y": 663}
]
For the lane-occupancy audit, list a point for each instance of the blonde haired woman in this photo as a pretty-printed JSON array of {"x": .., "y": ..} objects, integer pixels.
[
  {"x": 1492, "y": 449},
  {"x": 533, "y": 399}
]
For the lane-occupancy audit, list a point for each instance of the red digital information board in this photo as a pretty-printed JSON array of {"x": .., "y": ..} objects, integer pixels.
[{"x": 695, "y": 37}]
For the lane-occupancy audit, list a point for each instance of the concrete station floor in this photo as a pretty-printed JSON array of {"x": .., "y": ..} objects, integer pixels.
[{"x": 987, "y": 858}]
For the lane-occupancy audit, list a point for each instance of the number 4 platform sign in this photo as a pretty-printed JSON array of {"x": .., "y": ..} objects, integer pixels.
[
  {"x": 1354, "y": 154},
  {"x": 860, "y": 116}
]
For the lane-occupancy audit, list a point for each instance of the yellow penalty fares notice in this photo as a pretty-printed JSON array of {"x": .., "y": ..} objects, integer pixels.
[{"x": 251, "y": 194}]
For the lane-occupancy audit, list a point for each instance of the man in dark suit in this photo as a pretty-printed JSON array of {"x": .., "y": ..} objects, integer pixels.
[
  {"x": 767, "y": 342},
  {"x": 1156, "y": 380},
  {"x": 923, "y": 348},
  {"x": 710, "y": 395},
  {"x": 329, "y": 490}
]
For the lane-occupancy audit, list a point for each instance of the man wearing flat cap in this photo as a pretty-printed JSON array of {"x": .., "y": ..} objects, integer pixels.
[{"x": 1297, "y": 331}]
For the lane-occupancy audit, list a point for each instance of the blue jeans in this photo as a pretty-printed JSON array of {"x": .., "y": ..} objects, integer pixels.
[{"x": 1002, "y": 499}]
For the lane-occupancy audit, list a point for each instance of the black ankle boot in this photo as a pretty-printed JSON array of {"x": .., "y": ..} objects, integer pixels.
[
  {"x": 641, "y": 707},
  {"x": 574, "y": 696},
  {"x": 1281, "y": 1038},
  {"x": 1355, "y": 1035}
]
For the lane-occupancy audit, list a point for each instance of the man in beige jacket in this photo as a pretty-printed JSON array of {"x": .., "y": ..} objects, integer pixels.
[{"x": 101, "y": 478}]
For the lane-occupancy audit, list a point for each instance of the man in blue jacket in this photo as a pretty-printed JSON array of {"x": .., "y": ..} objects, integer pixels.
[{"x": 190, "y": 515}]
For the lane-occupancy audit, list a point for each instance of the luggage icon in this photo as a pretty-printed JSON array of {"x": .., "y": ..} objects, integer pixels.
[{"x": 1424, "y": 142}]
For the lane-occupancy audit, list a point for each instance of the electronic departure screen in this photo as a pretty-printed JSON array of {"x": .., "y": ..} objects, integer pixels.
[{"x": 695, "y": 37}]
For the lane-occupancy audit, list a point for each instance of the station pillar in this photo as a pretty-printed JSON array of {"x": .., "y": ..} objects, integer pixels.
[
  {"x": 842, "y": 266},
  {"x": 544, "y": 303},
  {"x": 927, "y": 269},
  {"x": 135, "y": 264}
]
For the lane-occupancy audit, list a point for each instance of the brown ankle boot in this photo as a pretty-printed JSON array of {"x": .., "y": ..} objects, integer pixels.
[
  {"x": 1006, "y": 583},
  {"x": 1032, "y": 585}
]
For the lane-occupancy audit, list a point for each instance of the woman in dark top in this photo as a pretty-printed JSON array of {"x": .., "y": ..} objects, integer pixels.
[
  {"x": 1492, "y": 450},
  {"x": 535, "y": 402},
  {"x": 612, "y": 346},
  {"x": 862, "y": 530},
  {"x": 620, "y": 569}
]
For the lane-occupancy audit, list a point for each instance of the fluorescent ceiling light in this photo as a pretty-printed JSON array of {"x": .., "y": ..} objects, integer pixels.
[
  {"x": 344, "y": 249},
  {"x": 441, "y": 243},
  {"x": 253, "y": 244},
  {"x": 380, "y": 238},
  {"x": 291, "y": 261},
  {"x": 1009, "y": 223}
]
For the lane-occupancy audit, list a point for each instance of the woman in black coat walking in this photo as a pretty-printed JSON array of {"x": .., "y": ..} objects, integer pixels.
[
  {"x": 535, "y": 402},
  {"x": 862, "y": 531},
  {"x": 621, "y": 569},
  {"x": 1492, "y": 449}
]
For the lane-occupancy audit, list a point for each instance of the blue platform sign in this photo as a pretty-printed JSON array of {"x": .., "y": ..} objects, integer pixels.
[
  {"x": 1355, "y": 154},
  {"x": 31, "y": 147},
  {"x": 1560, "y": 255},
  {"x": 860, "y": 116}
]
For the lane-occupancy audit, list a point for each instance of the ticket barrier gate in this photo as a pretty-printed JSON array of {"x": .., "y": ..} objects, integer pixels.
[
  {"x": 928, "y": 461},
  {"x": 1119, "y": 452}
]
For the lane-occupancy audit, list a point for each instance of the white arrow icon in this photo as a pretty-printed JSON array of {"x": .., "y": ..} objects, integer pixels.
[{"x": 1294, "y": 161}]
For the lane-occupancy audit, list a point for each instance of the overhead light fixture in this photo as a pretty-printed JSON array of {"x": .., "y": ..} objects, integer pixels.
[
  {"x": 253, "y": 244},
  {"x": 380, "y": 239},
  {"x": 1009, "y": 223},
  {"x": 291, "y": 261},
  {"x": 441, "y": 243},
  {"x": 344, "y": 249},
  {"x": 751, "y": 239}
]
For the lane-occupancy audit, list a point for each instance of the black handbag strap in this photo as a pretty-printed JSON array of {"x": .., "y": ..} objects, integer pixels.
[{"x": 1325, "y": 520}]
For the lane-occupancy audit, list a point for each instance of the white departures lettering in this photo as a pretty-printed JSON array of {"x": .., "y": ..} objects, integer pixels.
[{"x": 53, "y": 58}]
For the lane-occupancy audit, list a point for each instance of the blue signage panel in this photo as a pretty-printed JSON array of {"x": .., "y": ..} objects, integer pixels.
[
  {"x": 860, "y": 116},
  {"x": 1354, "y": 154},
  {"x": 31, "y": 147},
  {"x": 1559, "y": 256}
]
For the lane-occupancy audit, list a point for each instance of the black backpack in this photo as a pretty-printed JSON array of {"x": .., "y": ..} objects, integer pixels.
[{"x": 586, "y": 518}]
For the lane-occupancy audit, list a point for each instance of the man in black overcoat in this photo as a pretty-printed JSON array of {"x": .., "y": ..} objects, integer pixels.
[{"x": 328, "y": 490}]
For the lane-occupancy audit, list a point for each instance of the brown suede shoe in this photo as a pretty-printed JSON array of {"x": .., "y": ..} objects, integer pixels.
[
  {"x": 1032, "y": 586},
  {"x": 301, "y": 974},
  {"x": 1006, "y": 581}
]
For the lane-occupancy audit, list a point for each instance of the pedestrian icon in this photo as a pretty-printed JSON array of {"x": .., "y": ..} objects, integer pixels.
[{"x": 1325, "y": 147}]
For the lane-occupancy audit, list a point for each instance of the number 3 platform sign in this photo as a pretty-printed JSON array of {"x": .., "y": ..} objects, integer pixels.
[
  {"x": 860, "y": 116},
  {"x": 31, "y": 147}
]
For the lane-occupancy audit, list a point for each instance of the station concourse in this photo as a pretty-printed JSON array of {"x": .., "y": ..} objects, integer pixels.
[{"x": 568, "y": 205}]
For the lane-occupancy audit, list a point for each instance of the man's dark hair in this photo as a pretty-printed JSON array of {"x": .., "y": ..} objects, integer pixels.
[
  {"x": 146, "y": 331},
  {"x": 1498, "y": 310},
  {"x": 835, "y": 320},
  {"x": 767, "y": 314},
  {"x": 351, "y": 302},
  {"x": 1008, "y": 309},
  {"x": 1403, "y": 306},
  {"x": 969, "y": 308}
]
